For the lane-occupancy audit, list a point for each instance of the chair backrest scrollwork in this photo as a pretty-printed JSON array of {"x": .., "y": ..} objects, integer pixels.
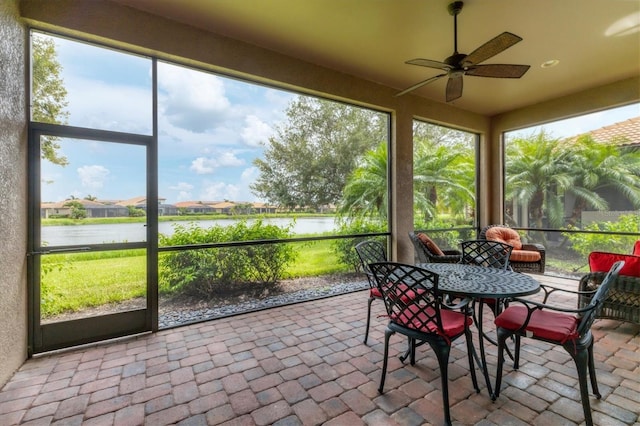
[
  {"x": 488, "y": 253},
  {"x": 370, "y": 252}
]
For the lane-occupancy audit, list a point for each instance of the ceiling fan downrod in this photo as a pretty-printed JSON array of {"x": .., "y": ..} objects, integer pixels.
[{"x": 454, "y": 9}]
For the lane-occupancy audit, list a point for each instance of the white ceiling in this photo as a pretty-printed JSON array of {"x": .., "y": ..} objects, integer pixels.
[{"x": 596, "y": 41}]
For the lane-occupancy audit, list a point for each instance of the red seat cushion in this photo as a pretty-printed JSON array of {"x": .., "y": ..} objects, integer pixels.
[
  {"x": 544, "y": 324},
  {"x": 375, "y": 292},
  {"x": 636, "y": 248},
  {"x": 504, "y": 235},
  {"x": 428, "y": 242},
  {"x": 600, "y": 261},
  {"x": 414, "y": 317}
]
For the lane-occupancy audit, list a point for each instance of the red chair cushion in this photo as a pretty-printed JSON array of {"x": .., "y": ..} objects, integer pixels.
[
  {"x": 600, "y": 261},
  {"x": 375, "y": 292},
  {"x": 636, "y": 248},
  {"x": 433, "y": 247},
  {"x": 414, "y": 317},
  {"x": 525, "y": 256},
  {"x": 504, "y": 235},
  {"x": 544, "y": 324}
]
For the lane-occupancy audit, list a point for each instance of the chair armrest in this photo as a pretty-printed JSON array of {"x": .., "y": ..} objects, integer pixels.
[
  {"x": 549, "y": 290},
  {"x": 452, "y": 252},
  {"x": 531, "y": 305},
  {"x": 533, "y": 247},
  {"x": 463, "y": 303}
]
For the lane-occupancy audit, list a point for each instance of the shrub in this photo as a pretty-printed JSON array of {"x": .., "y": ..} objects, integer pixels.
[
  {"x": 584, "y": 244},
  {"x": 344, "y": 248},
  {"x": 205, "y": 272}
]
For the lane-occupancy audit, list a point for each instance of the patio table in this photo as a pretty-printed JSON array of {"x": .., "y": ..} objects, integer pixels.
[{"x": 480, "y": 283}]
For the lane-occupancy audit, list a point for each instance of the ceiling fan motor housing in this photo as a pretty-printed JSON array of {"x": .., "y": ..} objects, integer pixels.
[{"x": 455, "y": 60}]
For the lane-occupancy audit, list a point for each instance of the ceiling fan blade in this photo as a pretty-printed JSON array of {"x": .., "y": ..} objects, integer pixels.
[
  {"x": 498, "y": 70},
  {"x": 491, "y": 48},
  {"x": 454, "y": 88},
  {"x": 429, "y": 63},
  {"x": 422, "y": 83}
]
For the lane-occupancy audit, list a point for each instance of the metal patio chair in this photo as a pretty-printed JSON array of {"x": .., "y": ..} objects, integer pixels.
[
  {"x": 416, "y": 309},
  {"x": 569, "y": 328},
  {"x": 370, "y": 251}
]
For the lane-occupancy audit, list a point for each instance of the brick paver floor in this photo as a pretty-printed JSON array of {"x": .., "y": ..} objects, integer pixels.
[{"x": 306, "y": 364}]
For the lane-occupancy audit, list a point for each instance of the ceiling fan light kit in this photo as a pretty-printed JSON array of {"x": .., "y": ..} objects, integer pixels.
[{"x": 459, "y": 64}]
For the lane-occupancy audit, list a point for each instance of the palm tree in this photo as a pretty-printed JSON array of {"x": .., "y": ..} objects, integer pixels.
[
  {"x": 443, "y": 179},
  {"x": 536, "y": 171},
  {"x": 366, "y": 194},
  {"x": 599, "y": 166},
  {"x": 540, "y": 169}
]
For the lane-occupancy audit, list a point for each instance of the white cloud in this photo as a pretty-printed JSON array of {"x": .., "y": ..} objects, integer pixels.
[
  {"x": 191, "y": 99},
  {"x": 202, "y": 166},
  {"x": 93, "y": 177},
  {"x": 120, "y": 107},
  {"x": 255, "y": 132},
  {"x": 207, "y": 165},
  {"x": 183, "y": 196},
  {"x": 249, "y": 175},
  {"x": 184, "y": 190},
  {"x": 181, "y": 186},
  {"x": 219, "y": 191}
]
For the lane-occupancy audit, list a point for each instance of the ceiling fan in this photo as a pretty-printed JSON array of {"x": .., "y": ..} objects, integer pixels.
[{"x": 459, "y": 64}]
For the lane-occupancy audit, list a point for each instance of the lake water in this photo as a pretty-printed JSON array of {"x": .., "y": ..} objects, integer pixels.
[{"x": 135, "y": 232}]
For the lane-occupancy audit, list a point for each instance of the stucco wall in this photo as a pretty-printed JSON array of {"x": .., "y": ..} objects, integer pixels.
[{"x": 13, "y": 192}]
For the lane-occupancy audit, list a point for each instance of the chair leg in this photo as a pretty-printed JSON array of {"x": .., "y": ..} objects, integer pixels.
[
  {"x": 387, "y": 335},
  {"x": 472, "y": 367},
  {"x": 516, "y": 356},
  {"x": 581, "y": 357},
  {"x": 503, "y": 335},
  {"x": 592, "y": 371},
  {"x": 366, "y": 330},
  {"x": 412, "y": 361},
  {"x": 442, "y": 351},
  {"x": 407, "y": 353}
]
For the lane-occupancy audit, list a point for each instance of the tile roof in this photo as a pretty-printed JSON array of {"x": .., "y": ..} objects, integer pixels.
[{"x": 624, "y": 132}]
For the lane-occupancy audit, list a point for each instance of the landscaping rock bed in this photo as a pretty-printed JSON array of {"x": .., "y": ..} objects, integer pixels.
[{"x": 176, "y": 313}]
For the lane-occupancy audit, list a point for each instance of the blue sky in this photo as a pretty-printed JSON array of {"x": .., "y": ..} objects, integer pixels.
[
  {"x": 211, "y": 128},
  {"x": 585, "y": 123}
]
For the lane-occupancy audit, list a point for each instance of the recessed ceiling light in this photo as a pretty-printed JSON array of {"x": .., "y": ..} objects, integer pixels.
[{"x": 550, "y": 63}]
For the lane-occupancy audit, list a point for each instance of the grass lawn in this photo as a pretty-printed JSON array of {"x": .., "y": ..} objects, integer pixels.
[{"x": 75, "y": 281}]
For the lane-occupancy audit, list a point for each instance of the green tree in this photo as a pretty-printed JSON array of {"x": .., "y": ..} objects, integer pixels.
[
  {"x": 541, "y": 169},
  {"x": 78, "y": 211},
  {"x": 366, "y": 192},
  {"x": 133, "y": 211},
  {"x": 537, "y": 170},
  {"x": 443, "y": 179},
  {"x": 603, "y": 166},
  {"x": 49, "y": 96},
  {"x": 308, "y": 161},
  {"x": 242, "y": 208}
]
